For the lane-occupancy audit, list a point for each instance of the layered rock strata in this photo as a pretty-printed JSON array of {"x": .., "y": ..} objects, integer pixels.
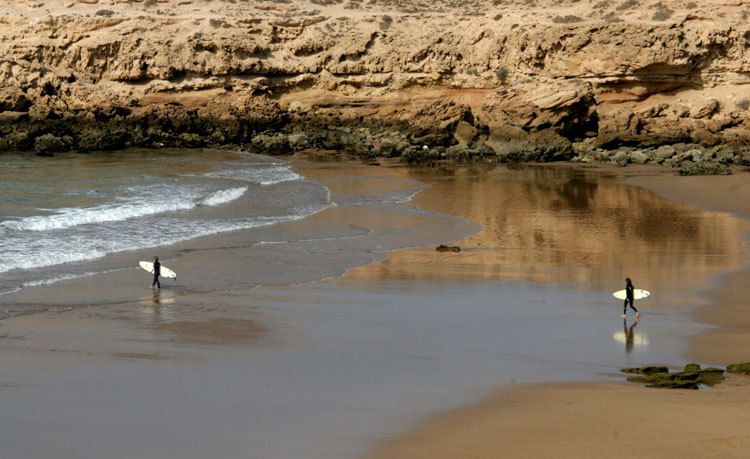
[{"x": 623, "y": 81}]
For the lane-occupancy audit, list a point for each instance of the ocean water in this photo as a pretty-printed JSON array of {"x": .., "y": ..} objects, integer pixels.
[
  {"x": 209, "y": 214},
  {"x": 58, "y": 213}
]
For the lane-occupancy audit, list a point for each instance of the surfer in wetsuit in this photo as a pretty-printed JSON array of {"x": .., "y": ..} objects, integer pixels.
[
  {"x": 157, "y": 273},
  {"x": 629, "y": 297}
]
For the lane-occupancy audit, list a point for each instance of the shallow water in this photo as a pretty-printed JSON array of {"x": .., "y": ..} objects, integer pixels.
[{"x": 248, "y": 354}]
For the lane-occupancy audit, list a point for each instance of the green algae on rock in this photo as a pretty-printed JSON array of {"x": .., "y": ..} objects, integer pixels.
[
  {"x": 649, "y": 370},
  {"x": 739, "y": 368},
  {"x": 448, "y": 248},
  {"x": 692, "y": 367},
  {"x": 690, "y": 378}
]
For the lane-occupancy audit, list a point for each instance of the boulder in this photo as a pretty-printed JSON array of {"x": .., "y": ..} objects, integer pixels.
[
  {"x": 448, "y": 248},
  {"x": 703, "y": 168},
  {"x": 742, "y": 156},
  {"x": 48, "y": 144},
  {"x": 271, "y": 144},
  {"x": 639, "y": 157},
  {"x": 621, "y": 158},
  {"x": 664, "y": 153},
  {"x": 465, "y": 134},
  {"x": 692, "y": 368},
  {"x": 705, "y": 110},
  {"x": 298, "y": 141}
]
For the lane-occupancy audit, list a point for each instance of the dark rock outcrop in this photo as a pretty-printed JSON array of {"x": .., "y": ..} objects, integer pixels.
[{"x": 690, "y": 378}]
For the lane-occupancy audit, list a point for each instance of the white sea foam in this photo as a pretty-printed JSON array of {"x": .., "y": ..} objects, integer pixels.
[
  {"x": 8, "y": 292},
  {"x": 224, "y": 196},
  {"x": 41, "y": 252},
  {"x": 156, "y": 201},
  {"x": 64, "y": 277},
  {"x": 154, "y": 211},
  {"x": 261, "y": 175}
]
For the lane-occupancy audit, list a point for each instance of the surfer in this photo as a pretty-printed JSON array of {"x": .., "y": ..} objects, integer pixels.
[
  {"x": 157, "y": 273},
  {"x": 629, "y": 297}
]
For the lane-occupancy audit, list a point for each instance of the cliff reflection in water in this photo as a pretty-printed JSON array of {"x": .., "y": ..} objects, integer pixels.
[{"x": 562, "y": 224}]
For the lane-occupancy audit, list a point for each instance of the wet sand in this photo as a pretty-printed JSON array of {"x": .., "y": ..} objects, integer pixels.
[
  {"x": 729, "y": 299},
  {"x": 217, "y": 366},
  {"x": 620, "y": 419},
  {"x": 583, "y": 420}
]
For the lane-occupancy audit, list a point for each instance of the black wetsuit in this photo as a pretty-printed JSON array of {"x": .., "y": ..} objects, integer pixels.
[
  {"x": 629, "y": 293},
  {"x": 157, "y": 273}
]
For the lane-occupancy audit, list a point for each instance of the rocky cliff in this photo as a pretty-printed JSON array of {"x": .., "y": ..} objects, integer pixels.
[{"x": 624, "y": 81}]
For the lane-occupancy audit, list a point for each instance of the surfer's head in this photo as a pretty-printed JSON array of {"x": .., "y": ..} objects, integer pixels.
[
  {"x": 627, "y": 280},
  {"x": 157, "y": 259}
]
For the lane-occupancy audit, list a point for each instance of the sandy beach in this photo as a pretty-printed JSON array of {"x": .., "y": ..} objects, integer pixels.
[{"x": 345, "y": 334}]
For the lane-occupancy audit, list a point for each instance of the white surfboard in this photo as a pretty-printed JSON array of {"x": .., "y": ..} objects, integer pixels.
[
  {"x": 638, "y": 294},
  {"x": 164, "y": 271}
]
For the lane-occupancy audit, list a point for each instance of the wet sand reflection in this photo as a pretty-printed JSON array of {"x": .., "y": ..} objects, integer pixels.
[
  {"x": 564, "y": 225},
  {"x": 629, "y": 337}
]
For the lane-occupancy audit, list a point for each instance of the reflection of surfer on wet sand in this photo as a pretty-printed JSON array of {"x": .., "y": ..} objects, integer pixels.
[
  {"x": 629, "y": 337},
  {"x": 629, "y": 334}
]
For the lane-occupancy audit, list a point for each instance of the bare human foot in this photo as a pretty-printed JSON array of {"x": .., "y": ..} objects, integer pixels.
[{"x": 623, "y": 316}]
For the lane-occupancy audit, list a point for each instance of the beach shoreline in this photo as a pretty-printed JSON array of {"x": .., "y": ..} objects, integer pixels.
[{"x": 182, "y": 330}]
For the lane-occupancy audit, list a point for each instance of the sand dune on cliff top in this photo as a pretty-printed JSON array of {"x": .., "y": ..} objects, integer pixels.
[{"x": 513, "y": 11}]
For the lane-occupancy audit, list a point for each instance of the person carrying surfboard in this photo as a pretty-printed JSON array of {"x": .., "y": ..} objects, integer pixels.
[
  {"x": 629, "y": 298},
  {"x": 157, "y": 273}
]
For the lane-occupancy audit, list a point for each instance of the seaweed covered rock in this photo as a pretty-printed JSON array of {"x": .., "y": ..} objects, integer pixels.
[
  {"x": 48, "y": 144},
  {"x": 739, "y": 368},
  {"x": 648, "y": 370},
  {"x": 692, "y": 368},
  {"x": 690, "y": 378},
  {"x": 662, "y": 382},
  {"x": 448, "y": 248},
  {"x": 272, "y": 144},
  {"x": 703, "y": 168},
  {"x": 711, "y": 376},
  {"x": 415, "y": 154}
]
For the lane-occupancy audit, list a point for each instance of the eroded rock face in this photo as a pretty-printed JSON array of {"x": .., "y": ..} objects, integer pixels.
[{"x": 508, "y": 81}]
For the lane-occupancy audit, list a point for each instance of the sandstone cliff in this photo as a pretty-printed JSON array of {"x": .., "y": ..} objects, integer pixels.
[{"x": 493, "y": 79}]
